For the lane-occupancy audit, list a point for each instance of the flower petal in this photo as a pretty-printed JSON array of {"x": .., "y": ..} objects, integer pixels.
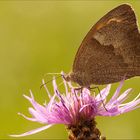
[
  {"x": 44, "y": 84},
  {"x": 32, "y": 131},
  {"x": 103, "y": 94},
  {"x": 124, "y": 96},
  {"x": 116, "y": 93},
  {"x": 30, "y": 119}
]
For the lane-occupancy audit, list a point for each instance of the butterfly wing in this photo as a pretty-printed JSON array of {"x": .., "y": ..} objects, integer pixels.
[{"x": 110, "y": 49}]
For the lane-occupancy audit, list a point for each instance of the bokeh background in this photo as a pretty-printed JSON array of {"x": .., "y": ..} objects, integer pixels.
[{"x": 37, "y": 37}]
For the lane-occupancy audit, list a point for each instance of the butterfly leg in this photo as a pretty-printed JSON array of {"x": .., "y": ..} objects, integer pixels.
[
  {"x": 100, "y": 95},
  {"x": 78, "y": 89}
]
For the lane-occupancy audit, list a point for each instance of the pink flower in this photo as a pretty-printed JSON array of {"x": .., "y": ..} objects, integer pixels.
[{"x": 74, "y": 105}]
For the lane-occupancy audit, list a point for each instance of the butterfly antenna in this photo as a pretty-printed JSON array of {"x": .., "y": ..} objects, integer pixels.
[
  {"x": 49, "y": 81},
  {"x": 51, "y": 74}
]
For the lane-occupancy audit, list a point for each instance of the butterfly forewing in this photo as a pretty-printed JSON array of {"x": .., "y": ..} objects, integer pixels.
[{"x": 110, "y": 50}]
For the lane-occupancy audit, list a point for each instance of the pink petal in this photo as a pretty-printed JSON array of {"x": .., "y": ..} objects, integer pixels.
[
  {"x": 65, "y": 83},
  {"x": 130, "y": 106},
  {"x": 124, "y": 96},
  {"x": 48, "y": 93},
  {"x": 103, "y": 94},
  {"x": 39, "y": 108},
  {"x": 38, "y": 116},
  {"x": 30, "y": 119},
  {"x": 116, "y": 93},
  {"x": 32, "y": 131}
]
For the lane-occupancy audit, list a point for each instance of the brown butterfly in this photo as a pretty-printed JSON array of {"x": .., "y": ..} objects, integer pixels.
[{"x": 110, "y": 50}]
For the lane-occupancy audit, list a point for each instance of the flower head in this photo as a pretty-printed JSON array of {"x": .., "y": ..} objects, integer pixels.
[{"x": 75, "y": 107}]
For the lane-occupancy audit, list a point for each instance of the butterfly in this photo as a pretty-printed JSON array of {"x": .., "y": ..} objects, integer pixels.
[{"x": 110, "y": 50}]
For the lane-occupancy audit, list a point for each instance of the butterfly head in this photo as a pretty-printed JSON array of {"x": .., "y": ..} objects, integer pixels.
[
  {"x": 67, "y": 77},
  {"x": 76, "y": 78}
]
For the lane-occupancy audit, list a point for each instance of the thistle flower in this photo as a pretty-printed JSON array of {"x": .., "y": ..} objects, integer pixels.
[{"x": 77, "y": 110}]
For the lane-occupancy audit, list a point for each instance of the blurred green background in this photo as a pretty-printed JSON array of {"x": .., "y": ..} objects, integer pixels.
[{"x": 37, "y": 37}]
